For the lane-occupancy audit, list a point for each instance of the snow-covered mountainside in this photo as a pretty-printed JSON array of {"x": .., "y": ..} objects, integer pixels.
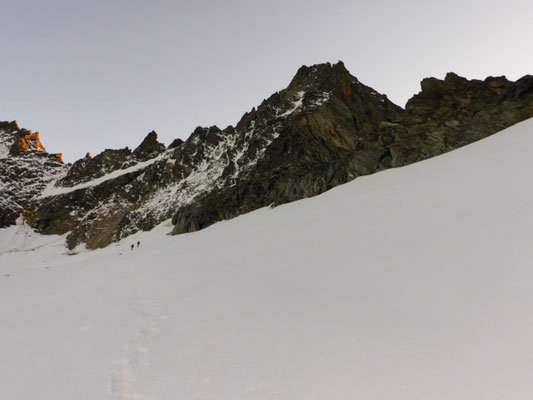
[
  {"x": 413, "y": 283},
  {"x": 325, "y": 129}
]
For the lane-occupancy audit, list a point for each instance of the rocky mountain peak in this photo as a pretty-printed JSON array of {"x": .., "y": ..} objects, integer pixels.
[
  {"x": 58, "y": 157},
  {"x": 89, "y": 168},
  {"x": 149, "y": 147},
  {"x": 326, "y": 128},
  {"x": 27, "y": 141},
  {"x": 454, "y": 92},
  {"x": 25, "y": 170},
  {"x": 175, "y": 143},
  {"x": 20, "y": 142},
  {"x": 9, "y": 126},
  {"x": 321, "y": 77},
  {"x": 450, "y": 113}
]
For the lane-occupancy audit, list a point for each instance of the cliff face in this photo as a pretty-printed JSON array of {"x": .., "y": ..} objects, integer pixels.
[
  {"x": 454, "y": 112},
  {"x": 358, "y": 132},
  {"x": 325, "y": 114},
  {"x": 324, "y": 129},
  {"x": 25, "y": 170}
]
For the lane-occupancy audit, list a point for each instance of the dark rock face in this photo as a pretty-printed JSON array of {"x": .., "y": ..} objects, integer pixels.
[
  {"x": 89, "y": 168},
  {"x": 25, "y": 170},
  {"x": 149, "y": 148},
  {"x": 444, "y": 116},
  {"x": 454, "y": 112},
  {"x": 324, "y": 129},
  {"x": 325, "y": 114},
  {"x": 175, "y": 143},
  {"x": 24, "y": 140}
]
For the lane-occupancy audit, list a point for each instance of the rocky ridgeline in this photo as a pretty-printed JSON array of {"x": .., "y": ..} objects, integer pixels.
[
  {"x": 25, "y": 170},
  {"x": 454, "y": 112},
  {"x": 324, "y": 129},
  {"x": 358, "y": 132}
]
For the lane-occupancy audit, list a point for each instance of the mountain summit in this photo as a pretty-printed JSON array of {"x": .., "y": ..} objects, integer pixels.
[
  {"x": 326, "y": 128},
  {"x": 26, "y": 168}
]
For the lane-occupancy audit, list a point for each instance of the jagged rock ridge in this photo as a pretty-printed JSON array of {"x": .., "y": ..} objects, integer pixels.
[
  {"x": 324, "y": 129},
  {"x": 445, "y": 115},
  {"x": 25, "y": 170}
]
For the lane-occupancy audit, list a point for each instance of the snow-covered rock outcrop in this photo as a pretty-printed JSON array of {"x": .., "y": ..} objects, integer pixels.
[{"x": 25, "y": 170}]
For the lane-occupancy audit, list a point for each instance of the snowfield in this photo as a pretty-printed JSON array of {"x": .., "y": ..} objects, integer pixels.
[{"x": 413, "y": 283}]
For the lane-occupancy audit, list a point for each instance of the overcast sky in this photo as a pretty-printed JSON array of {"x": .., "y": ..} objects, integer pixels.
[{"x": 96, "y": 74}]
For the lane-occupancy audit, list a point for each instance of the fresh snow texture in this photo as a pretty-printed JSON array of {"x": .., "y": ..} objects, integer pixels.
[{"x": 413, "y": 283}]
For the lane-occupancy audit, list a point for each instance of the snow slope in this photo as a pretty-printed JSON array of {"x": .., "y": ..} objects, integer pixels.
[{"x": 414, "y": 283}]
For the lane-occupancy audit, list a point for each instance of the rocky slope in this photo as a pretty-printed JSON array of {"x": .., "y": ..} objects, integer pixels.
[
  {"x": 454, "y": 112},
  {"x": 324, "y": 129},
  {"x": 445, "y": 115},
  {"x": 25, "y": 170}
]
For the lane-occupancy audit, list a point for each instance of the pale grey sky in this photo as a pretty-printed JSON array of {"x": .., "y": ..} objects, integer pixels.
[{"x": 90, "y": 75}]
